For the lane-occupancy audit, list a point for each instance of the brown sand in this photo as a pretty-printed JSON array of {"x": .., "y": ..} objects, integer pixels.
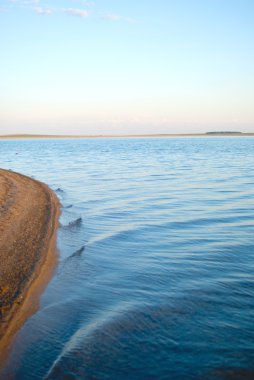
[{"x": 29, "y": 213}]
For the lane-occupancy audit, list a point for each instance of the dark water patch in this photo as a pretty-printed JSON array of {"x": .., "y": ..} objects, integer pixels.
[
  {"x": 117, "y": 345},
  {"x": 232, "y": 374}
]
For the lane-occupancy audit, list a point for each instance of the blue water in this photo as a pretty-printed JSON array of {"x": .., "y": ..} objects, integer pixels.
[{"x": 164, "y": 287}]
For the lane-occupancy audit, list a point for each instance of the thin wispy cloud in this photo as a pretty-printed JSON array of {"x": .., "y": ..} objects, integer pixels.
[
  {"x": 40, "y": 8},
  {"x": 30, "y": 2},
  {"x": 13, "y": 1},
  {"x": 84, "y": 2},
  {"x": 111, "y": 17},
  {"x": 77, "y": 8},
  {"x": 76, "y": 12},
  {"x": 115, "y": 18},
  {"x": 24, "y": 2},
  {"x": 34, "y": 5},
  {"x": 43, "y": 11}
]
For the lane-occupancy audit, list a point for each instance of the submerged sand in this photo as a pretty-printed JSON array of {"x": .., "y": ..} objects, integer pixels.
[{"x": 29, "y": 213}]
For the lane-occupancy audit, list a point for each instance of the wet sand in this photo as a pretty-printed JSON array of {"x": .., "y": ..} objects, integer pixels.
[{"x": 29, "y": 213}]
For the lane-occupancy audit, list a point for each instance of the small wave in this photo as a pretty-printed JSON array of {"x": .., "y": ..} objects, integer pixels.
[
  {"x": 74, "y": 223},
  {"x": 77, "y": 253},
  {"x": 68, "y": 206},
  {"x": 59, "y": 190},
  {"x": 88, "y": 331},
  {"x": 116, "y": 234}
]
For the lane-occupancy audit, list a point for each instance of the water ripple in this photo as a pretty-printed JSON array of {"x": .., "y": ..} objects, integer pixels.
[{"x": 164, "y": 287}]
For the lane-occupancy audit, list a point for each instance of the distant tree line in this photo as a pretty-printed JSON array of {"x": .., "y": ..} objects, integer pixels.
[{"x": 222, "y": 132}]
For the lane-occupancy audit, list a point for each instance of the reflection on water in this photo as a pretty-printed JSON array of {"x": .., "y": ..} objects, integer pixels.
[{"x": 155, "y": 279}]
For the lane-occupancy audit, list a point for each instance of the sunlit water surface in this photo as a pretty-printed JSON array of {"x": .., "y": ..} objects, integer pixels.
[{"x": 157, "y": 280}]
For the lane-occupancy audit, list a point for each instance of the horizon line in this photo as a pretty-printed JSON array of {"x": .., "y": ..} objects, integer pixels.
[{"x": 205, "y": 134}]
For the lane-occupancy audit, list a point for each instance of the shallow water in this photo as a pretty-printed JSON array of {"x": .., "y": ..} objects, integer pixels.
[{"x": 157, "y": 279}]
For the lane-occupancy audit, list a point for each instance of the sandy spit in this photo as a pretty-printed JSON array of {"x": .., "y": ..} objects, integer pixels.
[{"x": 29, "y": 213}]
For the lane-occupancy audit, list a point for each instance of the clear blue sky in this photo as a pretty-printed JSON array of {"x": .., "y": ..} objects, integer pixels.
[{"x": 126, "y": 66}]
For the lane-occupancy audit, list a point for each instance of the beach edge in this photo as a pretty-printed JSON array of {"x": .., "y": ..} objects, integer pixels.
[{"x": 42, "y": 273}]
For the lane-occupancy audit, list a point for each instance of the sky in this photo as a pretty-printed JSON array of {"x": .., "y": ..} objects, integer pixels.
[{"x": 126, "y": 66}]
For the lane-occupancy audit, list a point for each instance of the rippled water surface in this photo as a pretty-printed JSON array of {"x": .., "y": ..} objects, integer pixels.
[{"x": 157, "y": 279}]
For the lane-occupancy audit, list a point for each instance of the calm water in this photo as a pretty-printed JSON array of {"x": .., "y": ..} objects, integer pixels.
[{"x": 164, "y": 287}]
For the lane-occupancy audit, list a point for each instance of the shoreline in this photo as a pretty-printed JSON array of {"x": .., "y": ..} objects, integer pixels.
[
  {"x": 28, "y": 255},
  {"x": 160, "y": 135}
]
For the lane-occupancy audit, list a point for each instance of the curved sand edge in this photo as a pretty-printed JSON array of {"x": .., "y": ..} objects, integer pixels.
[{"x": 29, "y": 213}]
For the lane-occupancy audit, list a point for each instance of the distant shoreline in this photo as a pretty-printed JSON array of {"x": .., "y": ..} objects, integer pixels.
[{"x": 208, "y": 135}]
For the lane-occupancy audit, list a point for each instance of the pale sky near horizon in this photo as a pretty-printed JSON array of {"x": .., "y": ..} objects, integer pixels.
[{"x": 126, "y": 66}]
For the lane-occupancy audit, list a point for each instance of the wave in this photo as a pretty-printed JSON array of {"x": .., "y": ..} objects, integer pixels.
[
  {"x": 73, "y": 224},
  {"x": 77, "y": 253},
  {"x": 84, "y": 332}
]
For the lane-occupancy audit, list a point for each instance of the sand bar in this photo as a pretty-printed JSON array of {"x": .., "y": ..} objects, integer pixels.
[{"x": 29, "y": 213}]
